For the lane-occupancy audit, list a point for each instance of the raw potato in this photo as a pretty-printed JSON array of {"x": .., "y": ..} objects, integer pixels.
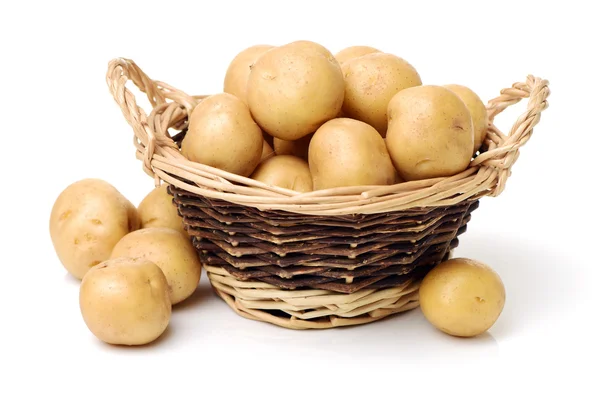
[
  {"x": 288, "y": 172},
  {"x": 88, "y": 218},
  {"x": 478, "y": 113},
  {"x": 222, "y": 134},
  {"x": 157, "y": 210},
  {"x": 171, "y": 251},
  {"x": 298, "y": 148},
  {"x": 346, "y": 152},
  {"x": 430, "y": 133},
  {"x": 371, "y": 81},
  {"x": 125, "y": 301},
  {"x": 354, "y": 52},
  {"x": 462, "y": 297},
  {"x": 236, "y": 77},
  {"x": 294, "y": 89},
  {"x": 267, "y": 151}
]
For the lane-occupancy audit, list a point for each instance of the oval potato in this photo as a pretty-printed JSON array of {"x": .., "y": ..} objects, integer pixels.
[
  {"x": 371, "y": 82},
  {"x": 157, "y": 210},
  {"x": 478, "y": 112},
  {"x": 222, "y": 134},
  {"x": 294, "y": 89},
  {"x": 430, "y": 133},
  {"x": 346, "y": 152},
  {"x": 87, "y": 219},
  {"x": 286, "y": 171}
]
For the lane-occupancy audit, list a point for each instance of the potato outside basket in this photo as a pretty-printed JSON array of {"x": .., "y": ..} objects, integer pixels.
[{"x": 328, "y": 258}]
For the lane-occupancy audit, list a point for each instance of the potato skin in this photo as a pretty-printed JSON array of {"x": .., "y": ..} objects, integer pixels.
[
  {"x": 353, "y": 52},
  {"x": 430, "y": 133},
  {"x": 267, "y": 151},
  {"x": 298, "y": 148},
  {"x": 125, "y": 301},
  {"x": 346, "y": 152},
  {"x": 462, "y": 297},
  {"x": 87, "y": 219},
  {"x": 371, "y": 82},
  {"x": 222, "y": 134},
  {"x": 478, "y": 112},
  {"x": 295, "y": 88},
  {"x": 236, "y": 76},
  {"x": 157, "y": 210},
  {"x": 285, "y": 171},
  {"x": 171, "y": 251}
]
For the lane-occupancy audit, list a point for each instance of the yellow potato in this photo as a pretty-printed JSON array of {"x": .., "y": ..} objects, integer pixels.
[
  {"x": 157, "y": 210},
  {"x": 125, "y": 301},
  {"x": 354, "y": 52},
  {"x": 222, "y": 134},
  {"x": 267, "y": 151},
  {"x": 288, "y": 172},
  {"x": 88, "y": 218},
  {"x": 478, "y": 113},
  {"x": 346, "y": 152},
  {"x": 430, "y": 133},
  {"x": 236, "y": 77},
  {"x": 371, "y": 81},
  {"x": 298, "y": 148},
  {"x": 294, "y": 89},
  {"x": 171, "y": 251},
  {"x": 462, "y": 297}
]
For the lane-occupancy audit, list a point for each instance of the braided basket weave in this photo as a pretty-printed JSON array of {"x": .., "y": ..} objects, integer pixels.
[{"x": 322, "y": 259}]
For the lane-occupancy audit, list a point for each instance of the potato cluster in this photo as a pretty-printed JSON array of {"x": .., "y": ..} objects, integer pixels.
[
  {"x": 134, "y": 263},
  {"x": 357, "y": 118}
]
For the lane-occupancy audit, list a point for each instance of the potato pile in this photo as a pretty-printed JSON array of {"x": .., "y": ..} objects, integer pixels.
[
  {"x": 357, "y": 118},
  {"x": 134, "y": 263}
]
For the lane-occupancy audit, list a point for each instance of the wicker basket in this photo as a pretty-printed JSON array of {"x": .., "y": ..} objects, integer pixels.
[{"x": 327, "y": 258}]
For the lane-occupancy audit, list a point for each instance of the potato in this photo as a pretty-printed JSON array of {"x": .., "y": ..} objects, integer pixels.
[
  {"x": 157, "y": 210},
  {"x": 125, "y": 301},
  {"x": 478, "y": 113},
  {"x": 222, "y": 134},
  {"x": 298, "y": 148},
  {"x": 288, "y": 172},
  {"x": 236, "y": 77},
  {"x": 430, "y": 133},
  {"x": 346, "y": 152},
  {"x": 353, "y": 52},
  {"x": 462, "y": 297},
  {"x": 171, "y": 251},
  {"x": 267, "y": 152},
  {"x": 87, "y": 219},
  {"x": 294, "y": 89},
  {"x": 371, "y": 81}
]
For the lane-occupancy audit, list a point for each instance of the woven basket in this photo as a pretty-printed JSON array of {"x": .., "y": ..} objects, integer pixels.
[{"x": 322, "y": 259}]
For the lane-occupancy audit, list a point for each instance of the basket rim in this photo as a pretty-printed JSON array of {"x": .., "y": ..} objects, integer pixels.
[{"x": 486, "y": 175}]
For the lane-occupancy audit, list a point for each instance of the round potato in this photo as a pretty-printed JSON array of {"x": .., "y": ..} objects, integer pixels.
[
  {"x": 298, "y": 148},
  {"x": 87, "y": 219},
  {"x": 171, "y": 251},
  {"x": 157, "y": 210},
  {"x": 462, "y": 297},
  {"x": 294, "y": 89},
  {"x": 430, "y": 133},
  {"x": 125, "y": 301},
  {"x": 236, "y": 77},
  {"x": 354, "y": 52},
  {"x": 346, "y": 152},
  {"x": 267, "y": 152},
  {"x": 478, "y": 113},
  {"x": 222, "y": 134},
  {"x": 371, "y": 81},
  {"x": 288, "y": 172}
]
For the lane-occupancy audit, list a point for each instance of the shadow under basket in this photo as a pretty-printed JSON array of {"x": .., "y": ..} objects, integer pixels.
[{"x": 323, "y": 259}]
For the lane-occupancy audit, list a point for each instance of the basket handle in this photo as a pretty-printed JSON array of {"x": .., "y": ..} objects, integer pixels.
[
  {"x": 146, "y": 140},
  {"x": 503, "y": 150}
]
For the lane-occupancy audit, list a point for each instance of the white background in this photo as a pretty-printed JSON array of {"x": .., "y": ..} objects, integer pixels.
[{"x": 59, "y": 124}]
